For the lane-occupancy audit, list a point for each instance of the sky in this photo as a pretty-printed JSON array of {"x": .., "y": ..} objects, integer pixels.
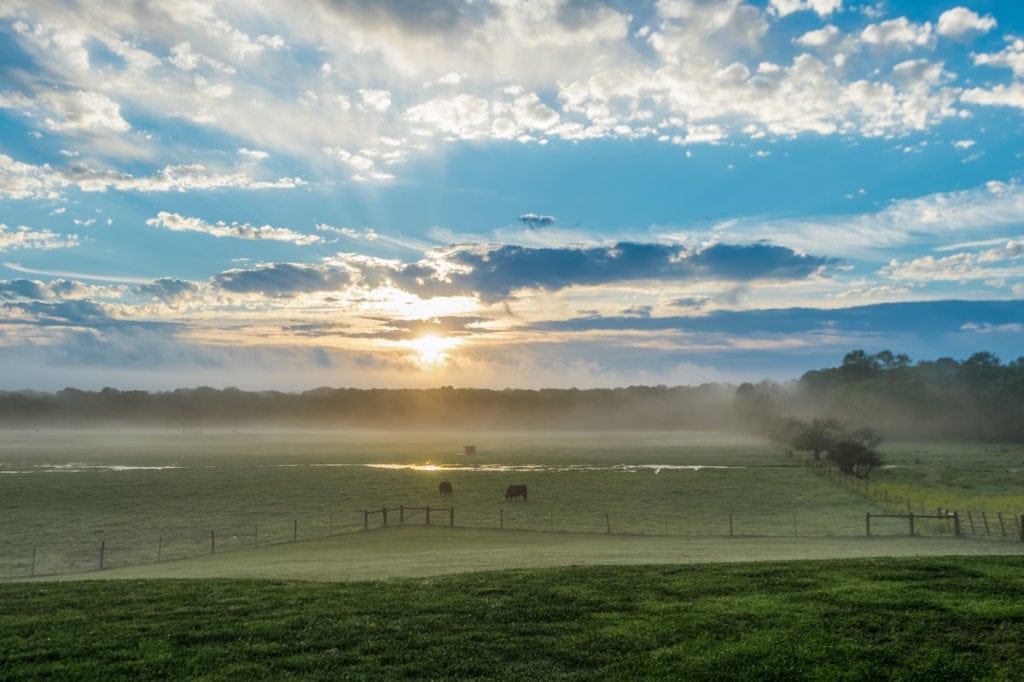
[{"x": 503, "y": 193}]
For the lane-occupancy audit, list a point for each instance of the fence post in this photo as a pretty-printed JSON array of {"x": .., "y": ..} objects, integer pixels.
[
  {"x": 956, "y": 523},
  {"x": 366, "y": 520},
  {"x": 501, "y": 520},
  {"x": 160, "y": 548},
  {"x": 970, "y": 519},
  {"x": 794, "y": 526},
  {"x": 428, "y": 515},
  {"x": 213, "y": 544},
  {"x": 984, "y": 517},
  {"x": 867, "y": 523},
  {"x": 1021, "y": 517},
  {"x": 256, "y": 535},
  {"x": 295, "y": 531},
  {"x": 1002, "y": 528},
  {"x": 401, "y": 514},
  {"x": 34, "y": 559},
  {"x": 607, "y": 524},
  {"x": 911, "y": 524},
  {"x": 384, "y": 512},
  {"x": 103, "y": 550},
  {"x": 451, "y": 516},
  {"x": 730, "y": 524},
  {"x": 331, "y": 531}
]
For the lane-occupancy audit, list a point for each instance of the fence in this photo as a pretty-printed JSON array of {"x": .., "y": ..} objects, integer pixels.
[{"x": 993, "y": 525}]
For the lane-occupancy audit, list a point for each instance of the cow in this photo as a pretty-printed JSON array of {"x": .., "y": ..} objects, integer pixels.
[
  {"x": 445, "y": 488},
  {"x": 515, "y": 491}
]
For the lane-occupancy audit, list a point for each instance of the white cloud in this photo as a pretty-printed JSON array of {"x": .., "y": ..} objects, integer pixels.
[
  {"x": 23, "y": 237},
  {"x": 378, "y": 100},
  {"x": 900, "y": 33},
  {"x": 960, "y": 21},
  {"x": 26, "y": 181},
  {"x": 1011, "y": 57},
  {"x": 822, "y": 7},
  {"x": 1011, "y": 95},
  {"x": 179, "y": 223},
  {"x": 819, "y": 37},
  {"x": 986, "y": 265},
  {"x": 85, "y": 111}
]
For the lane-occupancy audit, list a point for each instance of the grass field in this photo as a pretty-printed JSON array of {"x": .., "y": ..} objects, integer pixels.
[
  {"x": 153, "y": 495},
  {"x": 910, "y": 619}
]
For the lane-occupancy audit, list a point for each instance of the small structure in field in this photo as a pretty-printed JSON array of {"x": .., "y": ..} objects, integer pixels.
[
  {"x": 469, "y": 449},
  {"x": 445, "y": 488}
]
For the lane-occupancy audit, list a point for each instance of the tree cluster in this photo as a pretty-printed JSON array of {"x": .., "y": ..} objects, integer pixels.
[{"x": 980, "y": 398}]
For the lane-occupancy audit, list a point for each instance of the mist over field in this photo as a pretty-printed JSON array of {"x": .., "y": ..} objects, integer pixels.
[{"x": 979, "y": 398}]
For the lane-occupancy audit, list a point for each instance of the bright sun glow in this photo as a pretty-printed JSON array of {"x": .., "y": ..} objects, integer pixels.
[{"x": 432, "y": 350}]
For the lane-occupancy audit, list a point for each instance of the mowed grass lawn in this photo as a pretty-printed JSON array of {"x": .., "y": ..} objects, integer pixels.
[{"x": 910, "y": 619}]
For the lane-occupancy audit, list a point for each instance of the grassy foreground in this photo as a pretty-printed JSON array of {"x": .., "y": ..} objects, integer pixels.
[{"x": 924, "y": 618}]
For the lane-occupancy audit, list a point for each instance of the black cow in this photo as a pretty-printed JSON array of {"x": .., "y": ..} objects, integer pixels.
[
  {"x": 445, "y": 488},
  {"x": 515, "y": 491}
]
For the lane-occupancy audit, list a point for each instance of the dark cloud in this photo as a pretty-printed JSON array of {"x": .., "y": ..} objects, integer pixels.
[
  {"x": 638, "y": 311},
  {"x": 21, "y": 288},
  {"x": 283, "y": 279},
  {"x": 167, "y": 289},
  {"x": 495, "y": 273},
  {"x": 533, "y": 220},
  {"x": 927, "y": 318}
]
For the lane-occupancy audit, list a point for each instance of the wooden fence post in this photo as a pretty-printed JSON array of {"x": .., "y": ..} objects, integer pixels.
[
  {"x": 331, "y": 531},
  {"x": 984, "y": 517},
  {"x": 1021, "y": 517},
  {"x": 607, "y": 524},
  {"x": 451, "y": 516},
  {"x": 256, "y": 535},
  {"x": 384, "y": 513},
  {"x": 911, "y": 523},
  {"x": 1002, "y": 528},
  {"x": 867, "y": 523},
  {"x": 103, "y": 550},
  {"x": 730, "y": 524},
  {"x": 213, "y": 544},
  {"x": 501, "y": 519},
  {"x": 295, "y": 531},
  {"x": 428, "y": 514},
  {"x": 160, "y": 548},
  {"x": 970, "y": 519},
  {"x": 33, "y": 560},
  {"x": 401, "y": 514},
  {"x": 366, "y": 520},
  {"x": 956, "y": 523}
]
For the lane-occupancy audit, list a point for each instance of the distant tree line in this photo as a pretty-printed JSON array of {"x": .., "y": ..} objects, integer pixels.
[
  {"x": 980, "y": 398},
  {"x": 646, "y": 407}
]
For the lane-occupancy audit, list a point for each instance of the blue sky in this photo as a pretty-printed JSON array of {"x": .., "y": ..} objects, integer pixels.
[{"x": 499, "y": 193}]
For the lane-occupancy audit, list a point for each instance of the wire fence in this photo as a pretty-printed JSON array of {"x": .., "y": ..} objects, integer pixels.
[
  {"x": 19, "y": 560},
  {"x": 981, "y": 524}
]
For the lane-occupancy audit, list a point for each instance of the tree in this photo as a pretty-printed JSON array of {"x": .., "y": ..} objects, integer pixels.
[
  {"x": 856, "y": 452},
  {"x": 819, "y": 436}
]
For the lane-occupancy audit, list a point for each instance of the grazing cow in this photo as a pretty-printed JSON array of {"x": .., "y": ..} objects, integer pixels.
[
  {"x": 515, "y": 491},
  {"x": 445, "y": 488}
]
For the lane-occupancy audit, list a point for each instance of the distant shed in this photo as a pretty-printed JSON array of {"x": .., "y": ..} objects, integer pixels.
[{"x": 469, "y": 449}]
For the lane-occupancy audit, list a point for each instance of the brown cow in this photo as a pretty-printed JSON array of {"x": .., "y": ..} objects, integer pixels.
[
  {"x": 445, "y": 488},
  {"x": 515, "y": 491}
]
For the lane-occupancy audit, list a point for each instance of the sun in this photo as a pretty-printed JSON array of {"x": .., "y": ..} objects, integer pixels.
[{"x": 432, "y": 350}]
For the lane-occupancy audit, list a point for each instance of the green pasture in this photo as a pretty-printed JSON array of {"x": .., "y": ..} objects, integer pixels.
[
  {"x": 953, "y": 618},
  {"x": 146, "y": 496},
  {"x": 965, "y": 476},
  {"x": 150, "y": 496}
]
